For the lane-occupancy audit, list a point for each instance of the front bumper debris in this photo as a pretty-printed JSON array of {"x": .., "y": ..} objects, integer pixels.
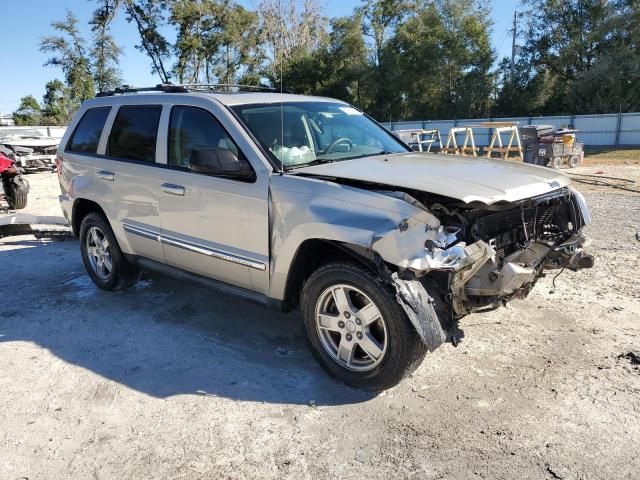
[
  {"x": 419, "y": 307},
  {"x": 475, "y": 272},
  {"x": 571, "y": 254},
  {"x": 514, "y": 276}
]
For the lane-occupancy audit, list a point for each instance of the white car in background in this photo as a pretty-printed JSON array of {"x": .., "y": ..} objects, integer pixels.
[{"x": 32, "y": 150}]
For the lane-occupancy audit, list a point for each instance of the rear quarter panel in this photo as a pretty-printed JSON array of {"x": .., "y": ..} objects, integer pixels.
[{"x": 77, "y": 175}]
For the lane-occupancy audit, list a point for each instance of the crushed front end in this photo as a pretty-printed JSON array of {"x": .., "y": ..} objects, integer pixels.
[
  {"x": 507, "y": 247},
  {"x": 481, "y": 256}
]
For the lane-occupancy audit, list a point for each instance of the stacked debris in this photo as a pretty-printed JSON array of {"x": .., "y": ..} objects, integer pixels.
[{"x": 549, "y": 146}]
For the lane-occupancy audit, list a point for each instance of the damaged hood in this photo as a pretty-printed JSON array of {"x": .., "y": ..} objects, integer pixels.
[{"x": 469, "y": 179}]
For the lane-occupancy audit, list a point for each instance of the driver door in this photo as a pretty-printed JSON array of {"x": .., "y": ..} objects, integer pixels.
[{"x": 212, "y": 226}]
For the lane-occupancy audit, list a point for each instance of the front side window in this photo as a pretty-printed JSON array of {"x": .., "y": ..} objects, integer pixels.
[
  {"x": 193, "y": 130},
  {"x": 304, "y": 133},
  {"x": 86, "y": 137},
  {"x": 134, "y": 132}
]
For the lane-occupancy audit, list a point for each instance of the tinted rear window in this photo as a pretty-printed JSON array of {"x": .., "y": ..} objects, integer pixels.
[
  {"x": 134, "y": 131},
  {"x": 86, "y": 137}
]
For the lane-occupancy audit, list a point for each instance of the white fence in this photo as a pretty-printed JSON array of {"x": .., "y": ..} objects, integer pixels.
[{"x": 594, "y": 130}]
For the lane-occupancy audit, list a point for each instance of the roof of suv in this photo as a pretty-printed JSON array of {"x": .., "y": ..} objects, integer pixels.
[
  {"x": 234, "y": 98},
  {"x": 246, "y": 98}
]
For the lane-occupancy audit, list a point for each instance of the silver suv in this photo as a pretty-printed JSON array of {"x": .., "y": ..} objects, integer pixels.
[{"x": 296, "y": 201}]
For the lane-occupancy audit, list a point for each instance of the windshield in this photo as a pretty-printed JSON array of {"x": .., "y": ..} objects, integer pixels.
[{"x": 316, "y": 132}]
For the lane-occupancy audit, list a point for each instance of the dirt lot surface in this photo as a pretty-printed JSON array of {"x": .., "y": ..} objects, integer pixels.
[
  {"x": 606, "y": 156},
  {"x": 170, "y": 380}
]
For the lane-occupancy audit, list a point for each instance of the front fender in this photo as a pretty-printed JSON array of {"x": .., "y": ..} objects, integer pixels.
[{"x": 303, "y": 209}]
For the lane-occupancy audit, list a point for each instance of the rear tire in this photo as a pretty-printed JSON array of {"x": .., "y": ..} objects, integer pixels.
[
  {"x": 16, "y": 190},
  {"x": 105, "y": 263},
  {"x": 385, "y": 350}
]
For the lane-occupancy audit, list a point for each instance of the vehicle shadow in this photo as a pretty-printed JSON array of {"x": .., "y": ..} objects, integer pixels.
[{"x": 163, "y": 337}]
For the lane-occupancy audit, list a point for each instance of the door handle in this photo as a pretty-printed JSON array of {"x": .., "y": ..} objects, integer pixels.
[
  {"x": 172, "y": 189},
  {"x": 104, "y": 175}
]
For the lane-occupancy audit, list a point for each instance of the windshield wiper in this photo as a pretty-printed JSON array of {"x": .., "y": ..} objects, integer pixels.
[
  {"x": 382, "y": 152},
  {"x": 374, "y": 154},
  {"x": 317, "y": 161},
  {"x": 320, "y": 161}
]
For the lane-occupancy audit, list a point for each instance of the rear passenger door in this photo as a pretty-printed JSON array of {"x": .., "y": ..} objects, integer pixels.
[
  {"x": 127, "y": 179},
  {"x": 212, "y": 225}
]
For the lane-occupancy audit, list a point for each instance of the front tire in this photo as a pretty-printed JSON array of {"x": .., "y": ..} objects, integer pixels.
[
  {"x": 357, "y": 330},
  {"x": 102, "y": 257}
]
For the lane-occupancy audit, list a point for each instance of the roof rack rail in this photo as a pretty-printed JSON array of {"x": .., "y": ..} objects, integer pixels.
[
  {"x": 161, "y": 87},
  {"x": 190, "y": 87},
  {"x": 227, "y": 87}
]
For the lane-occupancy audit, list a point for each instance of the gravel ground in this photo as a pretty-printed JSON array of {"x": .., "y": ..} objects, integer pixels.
[{"x": 170, "y": 380}]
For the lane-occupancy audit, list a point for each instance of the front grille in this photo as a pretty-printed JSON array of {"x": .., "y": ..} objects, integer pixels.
[
  {"x": 548, "y": 218},
  {"x": 533, "y": 221}
]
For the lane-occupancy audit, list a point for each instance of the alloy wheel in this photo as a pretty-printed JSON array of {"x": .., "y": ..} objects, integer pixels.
[
  {"x": 99, "y": 253},
  {"x": 351, "y": 327}
]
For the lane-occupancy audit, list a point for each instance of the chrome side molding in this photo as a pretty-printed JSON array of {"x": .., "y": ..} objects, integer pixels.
[
  {"x": 142, "y": 232},
  {"x": 193, "y": 247}
]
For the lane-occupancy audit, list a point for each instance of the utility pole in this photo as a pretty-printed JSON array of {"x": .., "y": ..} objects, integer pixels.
[{"x": 513, "y": 44}]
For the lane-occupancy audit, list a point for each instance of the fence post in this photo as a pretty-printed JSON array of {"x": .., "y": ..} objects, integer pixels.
[
  {"x": 489, "y": 132},
  {"x": 618, "y": 128}
]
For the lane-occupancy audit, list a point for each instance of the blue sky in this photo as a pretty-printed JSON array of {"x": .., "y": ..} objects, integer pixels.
[{"x": 25, "y": 22}]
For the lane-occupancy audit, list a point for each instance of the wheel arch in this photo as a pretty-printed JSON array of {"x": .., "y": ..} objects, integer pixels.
[
  {"x": 315, "y": 252},
  {"x": 81, "y": 208}
]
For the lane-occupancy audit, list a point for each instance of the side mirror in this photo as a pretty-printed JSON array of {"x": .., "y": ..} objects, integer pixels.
[{"x": 220, "y": 162}]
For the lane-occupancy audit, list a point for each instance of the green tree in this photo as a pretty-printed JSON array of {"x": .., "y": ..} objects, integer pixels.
[
  {"x": 566, "y": 39},
  {"x": 442, "y": 59},
  {"x": 347, "y": 62},
  {"x": 189, "y": 17},
  {"x": 216, "y": 39},
  {"x": 149, "y": 16},
  {"x": 469, "y": 57},
  {"x": 105, "y": 53},
  {"x": 69, "y": 52},
  {"x": 380, "y": 19},
  {"x": 28, "y": 113},
  {"x": 579, "y": 56},
  {"x": 612, "y": 84},
  {"x": 54, "y": 108},
  {"x": 234, "y": 46}
]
